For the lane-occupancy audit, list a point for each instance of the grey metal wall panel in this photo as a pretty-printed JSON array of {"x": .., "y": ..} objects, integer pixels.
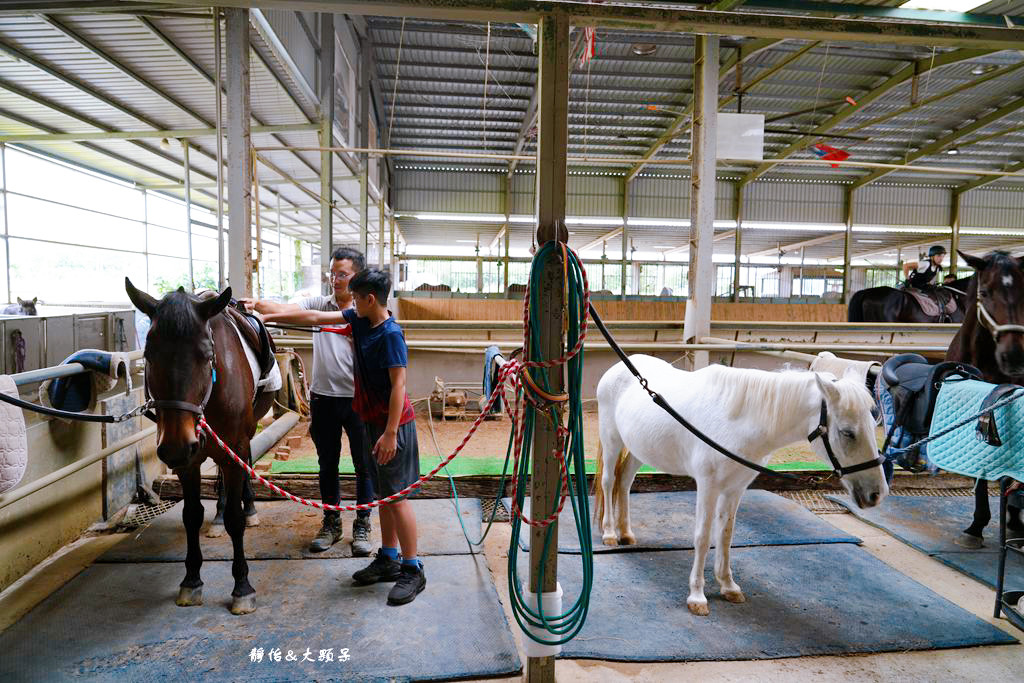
[
  {"x": 660, "y": 197},
  {"x": 990, "y": 208},
  {"x": 593, "y": 195},
  {"x": 449, "y": 192},
  {"x": 901, "y": 205},
  {"x": 793, "y": 202}
]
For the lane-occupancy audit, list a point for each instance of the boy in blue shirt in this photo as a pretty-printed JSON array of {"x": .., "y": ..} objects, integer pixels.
[{"x": 381, "y": 358}]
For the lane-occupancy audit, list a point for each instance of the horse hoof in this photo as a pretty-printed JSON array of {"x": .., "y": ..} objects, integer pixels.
[
  {"x": 215, "y": 531},
  {"x": 968, "y": 541},
  {"x": 735, "y": 597},
  {"x": 189, "y": 597},
  {"x": 609, "y": 539},
  {"x": 699, "y": 609},
  {"x": 627, "y": 539},
  {"x": 252, "y": 520},
  {"x": 244, "y": 604}
]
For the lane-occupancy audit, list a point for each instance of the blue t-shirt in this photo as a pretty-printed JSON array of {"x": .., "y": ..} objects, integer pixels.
[{"x": 377, "y": 350}]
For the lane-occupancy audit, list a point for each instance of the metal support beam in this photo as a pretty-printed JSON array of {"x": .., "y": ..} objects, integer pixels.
[
  {"x": 985, "y": 180},
  {"x": 737, "y": 214},
  {"x": 627, "y": 186},
  {"x": 363, "y": 107},
  {"x": 553, "y": 89},
  {"x": 786, "y": 248},
  {"x": 847, "y": 242},
  {"x": 954, "y": 221},
  {"x": 701, "y": 275},
  {"x": 326, "y": 138},
  {"x": 239, "y": 159},
  {"x": 187, "y": 172}
]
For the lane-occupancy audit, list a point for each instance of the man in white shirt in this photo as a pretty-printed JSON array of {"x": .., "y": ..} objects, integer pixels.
[{"x": 331, "y": 402}]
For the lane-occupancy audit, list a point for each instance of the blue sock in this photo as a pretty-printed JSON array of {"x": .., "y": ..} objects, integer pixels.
[
  {"x": 390, "y": 553},
  {"x": 412, "y": 562}
]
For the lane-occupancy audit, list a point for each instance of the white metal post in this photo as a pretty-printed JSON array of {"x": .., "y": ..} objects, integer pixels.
[
  {"x": 327, "y": 67},
  {"x": 239, "y": 155},
  {"x": 188, "y": 212},
  {"x": 702, "y": 284},
  {"x": 218, "y": 68}
]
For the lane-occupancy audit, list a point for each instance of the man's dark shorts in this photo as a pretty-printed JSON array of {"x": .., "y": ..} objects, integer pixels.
[{"x": 403, "y": 469}]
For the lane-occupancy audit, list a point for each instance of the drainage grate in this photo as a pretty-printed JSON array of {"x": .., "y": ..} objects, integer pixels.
[
  {"x": 815, "y": 501},
  {"x": 488, "y": 505},
  {"x": 140, "y": 515}
]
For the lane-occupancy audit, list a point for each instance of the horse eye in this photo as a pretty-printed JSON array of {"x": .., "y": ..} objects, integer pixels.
[
  {"x": 847, "y": 434},
  {"x": 983, "y": 293}
]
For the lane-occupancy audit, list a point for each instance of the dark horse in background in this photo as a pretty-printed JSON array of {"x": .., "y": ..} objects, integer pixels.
[
  {"x": 992, "y": 340},
  {"x": 195, "y": 365},
  {"x": 891, "y": 305}
]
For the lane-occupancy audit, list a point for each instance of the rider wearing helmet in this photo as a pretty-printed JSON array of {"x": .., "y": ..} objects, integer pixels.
[{"x": 926, "y": 274}]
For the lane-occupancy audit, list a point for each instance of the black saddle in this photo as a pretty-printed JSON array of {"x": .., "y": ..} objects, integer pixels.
[
  {"x": 986, "y": 429},
  {"x": 264, "y": 346},
  {"x": 914, "y": 385}
]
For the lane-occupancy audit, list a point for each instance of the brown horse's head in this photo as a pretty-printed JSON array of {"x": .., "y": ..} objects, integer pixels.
[
  {"x": 180, "y": 362},
  {"x": 998, "y": 299}
]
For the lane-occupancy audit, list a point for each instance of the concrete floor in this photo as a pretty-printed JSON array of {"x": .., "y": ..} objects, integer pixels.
[{"x": 994, "y": 663}]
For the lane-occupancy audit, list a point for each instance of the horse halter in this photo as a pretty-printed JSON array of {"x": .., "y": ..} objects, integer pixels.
[
  {"x": 822, "y": 432},
  {"x": 986, "y": 320},
  {"x": 169, "y": 404}
]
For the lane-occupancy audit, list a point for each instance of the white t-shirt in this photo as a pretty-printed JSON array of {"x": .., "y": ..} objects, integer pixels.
[{"x": 332, "y": 354}]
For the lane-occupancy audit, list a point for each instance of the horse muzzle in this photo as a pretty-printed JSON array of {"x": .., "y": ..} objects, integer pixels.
[{"x": 179, "y": 455}]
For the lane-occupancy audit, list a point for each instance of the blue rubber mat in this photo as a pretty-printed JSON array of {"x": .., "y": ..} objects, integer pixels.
[
  {"x": 286, "y": 528},
  {"x": 664, "y": 521},
  {"x": 930, "y": 524},
  {"x": 118, "y": 622},
  {"x": 801, "y": 601}
]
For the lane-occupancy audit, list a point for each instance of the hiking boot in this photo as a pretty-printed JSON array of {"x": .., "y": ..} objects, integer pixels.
[
  {"x": 361, "y": 537},
  {"x": 410, "y": 584},
  {"x": 330, "y": 533},
  {"x": 382, "y": 569}
]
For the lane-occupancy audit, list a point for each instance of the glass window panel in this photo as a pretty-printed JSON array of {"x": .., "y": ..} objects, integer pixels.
[
  {"x": 167, "y": 273},
  {"x": 168, "y": 242},
  {"x": 72, "y": 273},
  {"x": 38, "y": 177},
  {"x": 6, "y": 295},
  {"x": 45, "y": 220},
  {"x": 166, "y": 212}
]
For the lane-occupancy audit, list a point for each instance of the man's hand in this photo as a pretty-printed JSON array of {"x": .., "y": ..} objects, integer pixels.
[
  {"x": 249, "y": 303},
  {"x": 385, "y": 448}
]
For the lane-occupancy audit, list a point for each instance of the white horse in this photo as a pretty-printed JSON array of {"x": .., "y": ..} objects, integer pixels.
[{"x": 750, "y": 412}]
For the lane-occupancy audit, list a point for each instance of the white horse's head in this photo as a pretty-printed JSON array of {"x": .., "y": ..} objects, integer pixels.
[{"x": 851, "y": 434}]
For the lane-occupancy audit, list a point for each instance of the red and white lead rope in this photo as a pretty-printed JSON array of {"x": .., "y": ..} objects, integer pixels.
[{"x": 510, "y": 373}]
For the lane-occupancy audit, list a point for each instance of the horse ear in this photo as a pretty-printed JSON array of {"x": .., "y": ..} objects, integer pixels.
[
  {"x": 828, "y": 390},
  {"x": 21, "y": 302},
  {"x": 207, "y": 308},
  {"x": 975, "y": 262},
  {"x": 35, "y": 299},
  {"x": 142, "y": 301}
]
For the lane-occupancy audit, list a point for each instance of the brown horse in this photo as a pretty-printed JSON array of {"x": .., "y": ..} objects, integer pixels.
[
  {"x": 992, "y": 340},
  {"x": 196, "y": 366}
]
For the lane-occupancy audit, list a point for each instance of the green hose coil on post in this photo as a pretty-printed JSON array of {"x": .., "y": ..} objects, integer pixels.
[{"x": 562, "y": 627}]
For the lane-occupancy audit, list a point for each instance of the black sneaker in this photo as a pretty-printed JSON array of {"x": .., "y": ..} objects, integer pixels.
[
  {"x": 410, "y": 584},
  {"x": 330, "y": 533},
  {"x": 382, "y": 569}
]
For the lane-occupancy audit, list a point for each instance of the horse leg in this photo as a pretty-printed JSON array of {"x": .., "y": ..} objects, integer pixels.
[
  {"x": 697, "y": 602},
  {"x": 972, "y": 535},
  {"x": 216, "y": 528},
  {"x": 611, "y": 447},
  {"x": 725, "y": 522},
  {"x": 190, "y": 592},
  {"x": 249, "y": 502},
  {"x": 628, "y": 468},
  {"x": 243, "y": 597}
]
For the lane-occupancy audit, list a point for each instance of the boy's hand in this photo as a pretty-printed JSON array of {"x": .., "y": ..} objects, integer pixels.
[{"x": 385, "y": 448}]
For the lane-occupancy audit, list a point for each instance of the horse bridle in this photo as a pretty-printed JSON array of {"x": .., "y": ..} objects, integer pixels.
[
  {"x": 986, "y": 320},
  {"x": 821, "y": 431},
  {"x": 170, "y": 404}
]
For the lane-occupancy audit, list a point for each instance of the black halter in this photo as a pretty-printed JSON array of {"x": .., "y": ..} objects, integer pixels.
[{"x": 822, "y": 432}]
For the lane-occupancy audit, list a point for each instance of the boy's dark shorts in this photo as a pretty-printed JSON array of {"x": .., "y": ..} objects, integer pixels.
[{"x": 403, "y": 469}]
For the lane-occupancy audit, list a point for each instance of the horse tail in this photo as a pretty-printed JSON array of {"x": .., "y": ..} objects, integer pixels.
[
  {"x": 856, "y": 308},
  {"x": 620, "y": 464},
  {"x": 598, "y": 489}
]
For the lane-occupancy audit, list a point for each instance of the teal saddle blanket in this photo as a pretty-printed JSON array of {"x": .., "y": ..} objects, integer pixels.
[{"x": 962, "y": 451}]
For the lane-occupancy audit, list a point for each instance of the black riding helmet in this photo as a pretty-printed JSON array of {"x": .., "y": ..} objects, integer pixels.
[{"x": 936, "y": 250}]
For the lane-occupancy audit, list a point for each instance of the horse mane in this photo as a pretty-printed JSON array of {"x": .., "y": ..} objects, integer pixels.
[
  {"x": 762, "y": 396},
  {"x": 175, "y": 316}
]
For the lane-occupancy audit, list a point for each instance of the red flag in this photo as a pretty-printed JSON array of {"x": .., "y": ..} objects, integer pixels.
[{"x": 589, "y": 45}]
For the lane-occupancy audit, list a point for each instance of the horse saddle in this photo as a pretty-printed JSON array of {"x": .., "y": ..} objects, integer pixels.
[
  {"x": 256, "y": 336},
  {"x": 934, "y": 303},
  {"x": 914, "y": 384},
  {"x": 995, "y": 447}
]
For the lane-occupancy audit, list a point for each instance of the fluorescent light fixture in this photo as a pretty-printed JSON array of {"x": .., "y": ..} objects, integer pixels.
[
  {"x": 943, "y": 5},
  {"x": 659, "y": 222},
  {"x": 456, "y": 217},
  {"x": 952, "y": 151},
  {"x": 593, "y": 220},
  {"x": 913, "y": 230},
  {"x": 795, "y": 227},
  {"x": 466, "y": 241},
  {"x": 991, "y": 231},
  {"x": 662, "y": 247},
  {"x": 521, "y": 219},
  {"x": 870, "y": 241}
]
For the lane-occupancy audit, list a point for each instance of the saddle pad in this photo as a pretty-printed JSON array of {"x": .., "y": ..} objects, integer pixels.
[
  {"x": 13, "y": 444},
  {"x": 273, "y": 380},
  {"x": 961, "y": 451},
  {"x": 929, "y": 306}
]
